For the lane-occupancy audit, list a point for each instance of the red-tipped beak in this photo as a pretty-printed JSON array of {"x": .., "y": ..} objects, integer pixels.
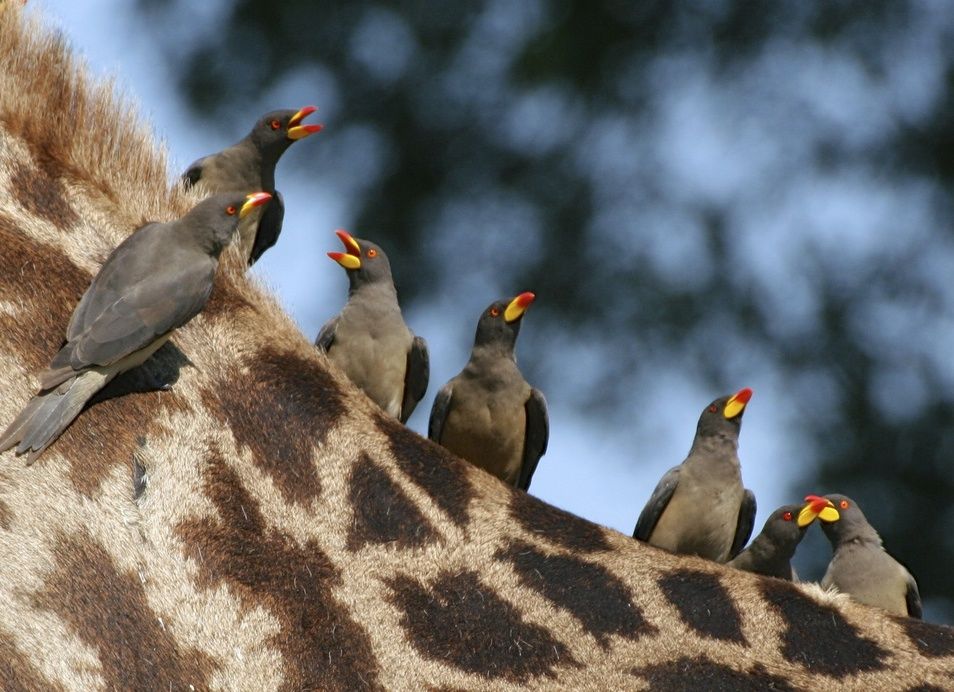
[
  {"x": 736, "y": 403},
  {"x": 350, "y": 259},
  {"x": 817, "y": 507},
  {"x": 256, "y": 199},
  {"x": 298, "y": 131},
  {"x": 518, "y": 306}
]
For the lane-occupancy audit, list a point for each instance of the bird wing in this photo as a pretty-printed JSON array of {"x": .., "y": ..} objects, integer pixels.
[
  {"x": 326, "y": 335},
  {"x": 912, "y": 597},
  {"x": 416, "y": 375},
  {"x": 193, "y": 173},
  {"x": 536, "y": 437},
  {"x": 135, "y": 315},
  {"x": 658, "y": 501},
  {"x": 439, "y": 411},
  {"x": 269, "y": 227},
  {"x": 744, "y": 524}
]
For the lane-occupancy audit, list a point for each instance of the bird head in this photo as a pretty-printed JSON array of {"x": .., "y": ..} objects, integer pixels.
[
  {"x": 364, "y": 261},
  {"x": 275, "y": 131},
  {"x": 848, "y": 521},
  {"x": 500, "y": 322},
  {"x": 785, "y": 528},
  {"x": 724, "y": 415},
  {"x": 215, "y": 218}
]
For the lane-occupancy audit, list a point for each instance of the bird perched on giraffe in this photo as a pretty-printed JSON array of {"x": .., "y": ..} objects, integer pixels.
[
  {"x": 249, "y": 164},
  {"x": 701, "y": 507},
  {"x": 155, "y": 281},
  {"x": 488, "y": 414},
  {"x": 368, "y": 339}
]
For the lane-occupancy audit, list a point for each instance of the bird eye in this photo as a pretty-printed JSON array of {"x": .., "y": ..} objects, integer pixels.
[
  {"x": 713, "y": 408},
  {"x": 494, "y": 311},
  {"x": 372, "y": 253},
  {"x": 230, "y": 211},
  {"x": 275, "y": 124},
  {"x": 843, "y": 504},
  {"x": 787, "y": 516}
]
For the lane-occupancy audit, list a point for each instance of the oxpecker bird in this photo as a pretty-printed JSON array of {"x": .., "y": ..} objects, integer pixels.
[
  {"x": 860, "y": 566},
  {"x": 368, "y": 339},
  {"x": 156, "y": 280},
  {"x": 770, "y": 553},
  {"x": 700, "y": 507},
  {"x": 488, "y": 414},
  {"x": 250, "y": 165}
]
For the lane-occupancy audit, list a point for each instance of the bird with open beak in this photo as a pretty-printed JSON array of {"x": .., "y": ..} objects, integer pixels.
[
  {"x": 369, "y": 339},
  {"x": 155, "y": 281},
  {"x": 488, "y": 414},
  {"x": 250, "y": 165},
  {"x": 701, "y": 507}
]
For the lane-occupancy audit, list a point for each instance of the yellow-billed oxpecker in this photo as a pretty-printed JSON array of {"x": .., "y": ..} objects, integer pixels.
[
  {"x": 861, "y": 567},
  {"x": 488, "y": 414},
  {"x": 770, "y": 553},
  {"x": 700, "y": 507},
  {"x": 368, "y": 339},
  {"x": 156, "y": 280},
  {"x": 250, "y": 165}
]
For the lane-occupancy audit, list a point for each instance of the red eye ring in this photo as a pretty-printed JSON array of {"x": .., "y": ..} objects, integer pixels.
[
  {"x": 713, "y": 408},
  {"x": 494, "y": 311},
  {"x": 230, "y": 210},
  {"x": 787, "y": 516},
  {"x": 843, "y": 504},
  {"x": 275, "y": 124},
  {"x": 372, "y": 253}
]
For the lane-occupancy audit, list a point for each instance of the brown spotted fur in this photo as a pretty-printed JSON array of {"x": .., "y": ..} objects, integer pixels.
[{"x": 263, "y": 527}]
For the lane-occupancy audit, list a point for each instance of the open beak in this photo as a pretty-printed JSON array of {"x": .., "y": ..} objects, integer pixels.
[
  {"x": 298, "y": 131},
  {"x": 256, "y": 199},
  {"x": 817, "y": 507},
  {"x": 518, "y": 306},
  {"x": 350, "y": 259},
  {"x": 736, "y": 403}
]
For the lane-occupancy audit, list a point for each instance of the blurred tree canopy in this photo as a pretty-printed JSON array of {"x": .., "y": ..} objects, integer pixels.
[{"x": 719, "y": 187}]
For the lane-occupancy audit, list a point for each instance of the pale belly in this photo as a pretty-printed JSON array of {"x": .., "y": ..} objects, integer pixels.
[
  {"x": 700, "y": 521},
  {"x": 376, "y": 366}
]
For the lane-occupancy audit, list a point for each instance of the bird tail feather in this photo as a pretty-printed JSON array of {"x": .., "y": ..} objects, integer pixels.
[{"x": 48, "y": 414}]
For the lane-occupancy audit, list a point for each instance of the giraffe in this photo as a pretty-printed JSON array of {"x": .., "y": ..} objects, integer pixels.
[{"x": 263, "y": 526}]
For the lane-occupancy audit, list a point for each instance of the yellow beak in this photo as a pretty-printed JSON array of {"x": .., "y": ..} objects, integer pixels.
[
  {"x": 518, "y": 306},
  {"x": 256, "y": 199},
  {"x": 736, "y": 403}
]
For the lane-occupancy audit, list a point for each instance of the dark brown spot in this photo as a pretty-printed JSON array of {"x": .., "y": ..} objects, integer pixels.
[
  {"x": 45, "y": 286},
  {"x": 440, "y": 474},
  {"x": 383, "y": 513},
  {"x": 280, "y": 408},
  {"x": 601, "y": 602},
  {"x": 322, "y": 646},
  {"x": 817, "y": 636},
  {"x": 556, "y": 525},
  {"x": 927, "y": 688},
  {"x": 17, "y": 673},
  {"x": 42, "y": 193},
  {"x": 5, "y": 516},
  {"x": 108, "y": 610},
  {"x": 704, "y": 604},
  {"x": 702, "y": 673},
  {"x": 931, "y": 640},
  {"x": 459, "y": 621}
]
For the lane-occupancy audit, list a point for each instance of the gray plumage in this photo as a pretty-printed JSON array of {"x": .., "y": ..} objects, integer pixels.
[
  {"x": 250, "y": 165},
  {"x": 770, "y": 553},
  {"x": 700, "y": 507},
  {"x": 156, "y": 280},
  {"x": 488, "y": 414},
  {"x": 860, "y": 566},
  {"x": 369, "y": 339}
]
